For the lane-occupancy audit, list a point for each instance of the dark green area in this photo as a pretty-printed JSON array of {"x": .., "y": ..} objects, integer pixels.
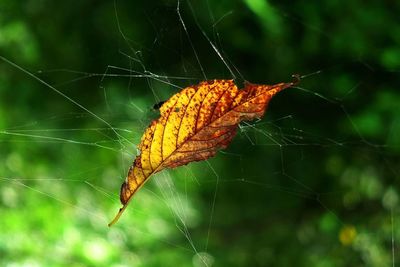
[{"x": 314, "y": 183}]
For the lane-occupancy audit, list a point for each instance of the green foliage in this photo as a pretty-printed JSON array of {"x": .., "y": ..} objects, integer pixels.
[{"x": 315, "y": 183}]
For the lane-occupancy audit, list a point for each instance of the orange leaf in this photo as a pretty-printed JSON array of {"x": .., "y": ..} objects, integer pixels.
[{"x": 193, "y": 125}]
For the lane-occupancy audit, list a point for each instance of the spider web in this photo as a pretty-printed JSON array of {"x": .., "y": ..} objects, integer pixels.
[{"x": 62, "y": 170}]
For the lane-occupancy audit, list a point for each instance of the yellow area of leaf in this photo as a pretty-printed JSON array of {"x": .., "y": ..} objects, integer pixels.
[{"x": 193, "y": 125}]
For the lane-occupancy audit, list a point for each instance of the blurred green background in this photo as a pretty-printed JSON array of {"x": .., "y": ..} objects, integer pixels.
[{"x": 314, "y": 183}]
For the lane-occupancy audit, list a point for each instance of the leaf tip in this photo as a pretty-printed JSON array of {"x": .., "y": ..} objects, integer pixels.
[{"x": 296, "y": 79}]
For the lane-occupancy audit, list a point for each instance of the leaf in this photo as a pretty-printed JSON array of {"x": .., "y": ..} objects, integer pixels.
[{"x": 193, "y": 125}]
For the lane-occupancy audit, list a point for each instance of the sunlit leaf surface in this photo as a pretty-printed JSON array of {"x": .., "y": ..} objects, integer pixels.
[{"x": 193, "y": 125}]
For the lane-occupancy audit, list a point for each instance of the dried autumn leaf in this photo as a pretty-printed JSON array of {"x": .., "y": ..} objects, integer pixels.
[{"x": 193, "y": 125}]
